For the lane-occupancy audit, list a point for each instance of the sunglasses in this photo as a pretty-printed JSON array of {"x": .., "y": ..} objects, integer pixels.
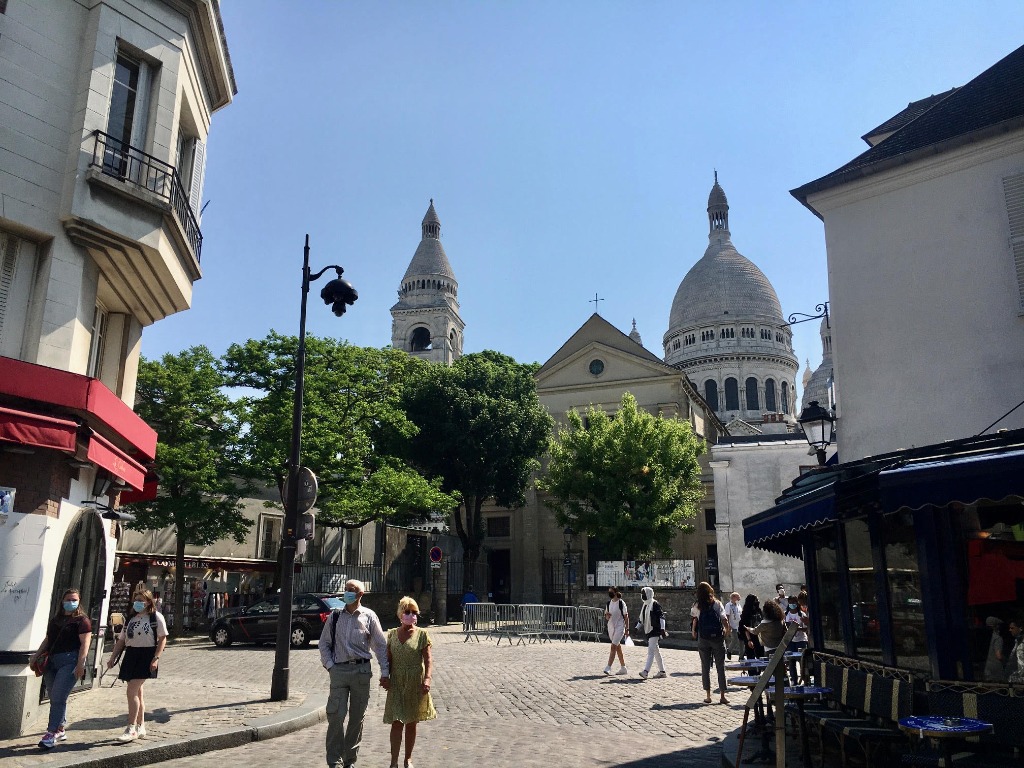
[{"x": 412, "y": 613}]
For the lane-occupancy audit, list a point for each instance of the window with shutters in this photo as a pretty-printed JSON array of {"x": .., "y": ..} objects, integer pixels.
[
  {"x": 1013, "y": 188},
  {"x": 99, "y": 330},
  {"x": 13, "y": 294},
  {"x": 270, "y": 536}
]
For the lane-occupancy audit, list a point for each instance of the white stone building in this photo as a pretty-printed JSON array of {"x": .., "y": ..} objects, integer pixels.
[
  {"x": 104, "y": 114},
  {"x": 425, "y": 321},
  {"x": 925, "y": 239}
]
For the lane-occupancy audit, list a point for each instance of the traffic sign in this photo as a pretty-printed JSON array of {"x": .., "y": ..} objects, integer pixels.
[
  {"x": 308, "y": 488},
  {"x": 435, "y": 555},
  {"x": 435, "y": 566},
  {"x": 567, "y": 562}
]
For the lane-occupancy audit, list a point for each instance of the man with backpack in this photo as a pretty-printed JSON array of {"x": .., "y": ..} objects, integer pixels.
[{"x": 710, "y": 628}]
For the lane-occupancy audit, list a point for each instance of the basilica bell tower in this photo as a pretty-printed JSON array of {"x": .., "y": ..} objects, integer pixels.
[{"x": 425, "y": 321}]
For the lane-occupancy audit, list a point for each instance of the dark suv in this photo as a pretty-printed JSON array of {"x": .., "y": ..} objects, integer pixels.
[{"x": 258, "y": 622}]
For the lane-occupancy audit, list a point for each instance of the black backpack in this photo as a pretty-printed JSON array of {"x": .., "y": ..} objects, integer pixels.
[{"x": 709, "y": 625}]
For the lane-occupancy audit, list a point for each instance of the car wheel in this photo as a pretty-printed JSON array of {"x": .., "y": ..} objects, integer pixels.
[
  {"x": 222, "y": 637},
  {"x": 299, "y": 636}
]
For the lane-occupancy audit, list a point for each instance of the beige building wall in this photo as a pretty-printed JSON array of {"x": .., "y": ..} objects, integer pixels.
[{"x": 921, "y": 272}]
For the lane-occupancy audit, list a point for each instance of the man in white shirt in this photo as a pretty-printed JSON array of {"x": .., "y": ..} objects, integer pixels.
[
  {"x": 345, "y": 644},
  {"x": 733, "y": 612}
]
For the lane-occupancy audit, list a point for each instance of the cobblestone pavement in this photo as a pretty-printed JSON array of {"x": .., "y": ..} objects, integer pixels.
[
  {"x": 527, "y": 705},
  {"x": 531, "y": 706}
]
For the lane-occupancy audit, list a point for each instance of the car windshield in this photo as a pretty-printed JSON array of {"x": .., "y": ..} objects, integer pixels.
[{"x": 334, "y": 602}]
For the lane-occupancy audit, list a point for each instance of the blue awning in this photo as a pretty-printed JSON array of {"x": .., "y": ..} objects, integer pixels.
[
  {"x": 775, "y": 529},
  {"x": 965, "y": 479}
]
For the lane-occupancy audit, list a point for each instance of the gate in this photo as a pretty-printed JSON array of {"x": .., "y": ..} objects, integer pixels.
[{"x": 456, "y": 588}]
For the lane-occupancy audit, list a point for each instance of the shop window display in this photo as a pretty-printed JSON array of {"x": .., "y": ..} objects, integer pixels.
[
  {"x": 828, "y": 589},
  {"x": 903, "y": 578},
  {"x": 993, "y": 560},
  {"x": 867, "y": 635}
]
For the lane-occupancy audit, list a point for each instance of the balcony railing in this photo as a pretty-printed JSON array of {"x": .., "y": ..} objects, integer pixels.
[{"x": 133, "y": 166}]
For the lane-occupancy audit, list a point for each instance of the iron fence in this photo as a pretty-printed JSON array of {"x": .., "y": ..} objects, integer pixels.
[
  {"x": 532, "y": 623},
  {"x": 131, "y": 165}
]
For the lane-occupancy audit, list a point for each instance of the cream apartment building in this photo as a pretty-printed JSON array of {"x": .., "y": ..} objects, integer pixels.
[{"x": 105, "y": 109}]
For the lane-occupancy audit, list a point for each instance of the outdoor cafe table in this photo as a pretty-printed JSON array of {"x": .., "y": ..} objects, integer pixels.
[
  {"x": 764, "y": 754},
  {"x": 944, "y": 730},
  {"x": 750, "y": 664},
  {"x": 800, "y": 694}
]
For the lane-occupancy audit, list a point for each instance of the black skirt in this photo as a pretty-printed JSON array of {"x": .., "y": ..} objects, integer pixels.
[{"x": 135, "y": 664}]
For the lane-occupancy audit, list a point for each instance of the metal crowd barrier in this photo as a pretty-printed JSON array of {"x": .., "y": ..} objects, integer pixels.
[
  {"x": 590, "y": 623},
  {"x": 531, "y": 623}
]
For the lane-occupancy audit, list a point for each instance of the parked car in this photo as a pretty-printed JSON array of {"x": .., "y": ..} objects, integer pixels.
[{"x": 258, "y": 622}]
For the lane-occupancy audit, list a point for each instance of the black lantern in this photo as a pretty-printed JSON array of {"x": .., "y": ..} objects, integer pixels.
[{"x": 819, "y": 428}]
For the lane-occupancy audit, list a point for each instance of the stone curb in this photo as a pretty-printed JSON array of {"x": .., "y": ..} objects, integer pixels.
[{"x": 312, "y": 711}]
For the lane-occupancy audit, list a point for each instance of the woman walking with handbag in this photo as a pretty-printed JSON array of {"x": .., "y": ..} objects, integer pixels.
[
  {"x": 61, "y": 661},
  {"x": 143, "y": 639}
]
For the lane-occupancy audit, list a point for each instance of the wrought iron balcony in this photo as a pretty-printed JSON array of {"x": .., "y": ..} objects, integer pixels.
[{"x": 134, "y": 167}]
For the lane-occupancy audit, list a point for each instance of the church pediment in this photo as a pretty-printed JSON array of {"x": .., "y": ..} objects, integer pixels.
[{"x": 738, "y": 427}]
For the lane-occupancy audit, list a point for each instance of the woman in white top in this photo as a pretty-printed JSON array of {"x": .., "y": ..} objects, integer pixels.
[
  {"x": 617, "y": 616},
  {"x": 143, "y": 639}
]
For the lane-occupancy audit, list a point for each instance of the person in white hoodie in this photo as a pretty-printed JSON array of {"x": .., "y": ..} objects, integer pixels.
[{"x": 652, "y": 625}]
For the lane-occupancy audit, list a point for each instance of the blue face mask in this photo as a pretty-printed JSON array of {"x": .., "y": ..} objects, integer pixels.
[
  {"x": 70, "y": 605},
  {"x": 139, "y": 606},
  {"x": 349, "y": 597}
]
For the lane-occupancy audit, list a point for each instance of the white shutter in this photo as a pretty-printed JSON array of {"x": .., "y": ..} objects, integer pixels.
[
  {"x": 8, "y": 261},
  {"x": 195, "y": 192},
  {"x": 1013, "y": 188}
]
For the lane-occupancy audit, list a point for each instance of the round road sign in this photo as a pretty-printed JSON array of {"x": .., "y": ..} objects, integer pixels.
[{"x": 435, "y": 554}]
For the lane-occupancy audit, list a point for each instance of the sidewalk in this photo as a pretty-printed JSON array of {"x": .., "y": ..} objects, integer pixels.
[{"x": 202, "y": 701}]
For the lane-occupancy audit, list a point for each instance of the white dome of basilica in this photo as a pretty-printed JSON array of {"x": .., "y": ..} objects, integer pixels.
[{"x": 727, "y": 332}]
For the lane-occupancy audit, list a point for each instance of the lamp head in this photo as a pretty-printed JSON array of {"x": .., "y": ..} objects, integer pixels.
[
  {"x": 818, "y": 425},
  {"x": 340, "y": 294}
]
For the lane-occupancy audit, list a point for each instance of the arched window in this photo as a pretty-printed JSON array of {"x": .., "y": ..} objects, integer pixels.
[
  {"x": 769, "y": 396},
  {"x": 785, "y": 397},
  {"x": 711, "y": 393},
  {"x": 420, "y": 340},
  {"x": 752, "y": 399},
  {"x": 732, "y": 394}
]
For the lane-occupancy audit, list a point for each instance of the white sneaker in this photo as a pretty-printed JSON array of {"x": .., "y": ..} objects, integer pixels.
[
  {"x": 661, "y": 674},
  {"x": 622, "y": 671},
  {"x": 643, "y": 673},
  {"x": 130, "y": 734},
  {"x": 608, "y": 670},
  {"x": 140, "y": 730}
]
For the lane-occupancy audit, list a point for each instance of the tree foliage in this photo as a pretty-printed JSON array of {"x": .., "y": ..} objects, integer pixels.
[
  {"x": 482, "y": 429},
  {"x": 181, "y": 397},
  {"x": 633, "y": 479},
  {"x": 351, "y": 411}
]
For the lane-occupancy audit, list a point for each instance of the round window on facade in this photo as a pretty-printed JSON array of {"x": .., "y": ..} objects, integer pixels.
[{"x": 596, "y": 367}]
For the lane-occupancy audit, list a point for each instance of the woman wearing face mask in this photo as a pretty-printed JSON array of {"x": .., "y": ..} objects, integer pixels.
[
  {"x": 411, "y": 667},
  {"x": 67, "y": 641},
  {"x": 143, "y": 639},
  {"x": 652, "y": 624},
  {"x": 617, "y": 616}
]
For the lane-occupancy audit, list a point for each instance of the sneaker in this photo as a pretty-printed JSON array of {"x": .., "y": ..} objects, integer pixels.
[
  {"x": 140, "y": 730},
  {"x": 608, "y": 670},
  {"x": 130, "y": 734},
  {"x": 661, "y": 674},
  {"x": 48, "y": 741},
  {"x": 622, "y": 671},
  {"x": 61, "y": 734},
  {"x": 643, "y": 673}
]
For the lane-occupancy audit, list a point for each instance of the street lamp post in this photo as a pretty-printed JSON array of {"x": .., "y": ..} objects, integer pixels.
[
  {"x": 339, "y": 294},
  {"x": 568, "y": 534},
  {"x": 819, "y": 428}
]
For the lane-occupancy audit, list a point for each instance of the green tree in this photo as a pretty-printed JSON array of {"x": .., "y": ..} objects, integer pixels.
[
  {"x": 483, "y": 429},
  {"x": 351, "y": 412},
  {"x": 633, "y": 479},
  {"x": 181, "y": 397}
]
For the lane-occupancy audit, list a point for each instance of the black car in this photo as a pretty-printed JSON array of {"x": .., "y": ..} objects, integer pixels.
[{"x": 258, "y": 622}]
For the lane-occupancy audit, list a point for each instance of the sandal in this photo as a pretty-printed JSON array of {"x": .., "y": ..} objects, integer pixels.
[{"x": 707, "y": 700}]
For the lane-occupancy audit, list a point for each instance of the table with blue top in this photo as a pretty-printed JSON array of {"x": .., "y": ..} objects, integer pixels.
[
  {"x": 800, "y": 694},
  {"x": 751, "y": 664},
  {"x": 943, "y": 730}
]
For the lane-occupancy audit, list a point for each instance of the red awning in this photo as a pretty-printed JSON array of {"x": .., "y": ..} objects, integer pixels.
[
  {"x": 38, "y": 430},
  {"x": 117, "y": 462}
]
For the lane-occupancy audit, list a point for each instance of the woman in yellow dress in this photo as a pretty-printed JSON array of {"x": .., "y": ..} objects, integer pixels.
[{"x": 408, "y": 689}]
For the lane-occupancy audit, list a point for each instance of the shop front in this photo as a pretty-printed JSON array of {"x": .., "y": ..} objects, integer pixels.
[
  {"x": 213, "y": 585},
  {"x": 913, "y": 559}
]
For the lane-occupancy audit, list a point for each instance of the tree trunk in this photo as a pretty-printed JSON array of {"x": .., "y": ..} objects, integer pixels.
[
  {"x": 471, "y": 540},
  {"x": 179, "y": 584}
]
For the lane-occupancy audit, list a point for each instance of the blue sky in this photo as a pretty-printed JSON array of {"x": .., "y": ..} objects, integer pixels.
[{"x": 569, "y": 148}]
